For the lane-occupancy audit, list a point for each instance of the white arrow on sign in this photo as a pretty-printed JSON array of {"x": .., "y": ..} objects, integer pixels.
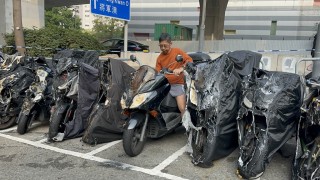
[{"x": 95, "y": 4}]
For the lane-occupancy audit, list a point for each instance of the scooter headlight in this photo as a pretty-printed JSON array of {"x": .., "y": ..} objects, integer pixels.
[{"x": 140, "y": 98}]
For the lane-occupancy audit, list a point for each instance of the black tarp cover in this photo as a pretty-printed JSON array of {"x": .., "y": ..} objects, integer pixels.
[
  {"x": 244, "y": 61},
  {"x": 218, "y": 85},
  {"x": 106, "y": 120},
  {"x": 267, "y": 118},
  {"x": 88, "y": 91},
  {"x": 88, "y": 78}
]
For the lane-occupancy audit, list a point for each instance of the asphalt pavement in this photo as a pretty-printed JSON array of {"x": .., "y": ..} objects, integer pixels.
[{"x": 28, "y": 157}]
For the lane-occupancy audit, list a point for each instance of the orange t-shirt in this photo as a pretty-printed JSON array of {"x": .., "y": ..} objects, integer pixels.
[{"x": 169, "y": 61}]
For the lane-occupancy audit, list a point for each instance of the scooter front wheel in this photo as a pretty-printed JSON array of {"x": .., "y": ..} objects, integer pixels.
[
  {"x": 23, "y": 123},
  {"x": 133, "y": 143}
]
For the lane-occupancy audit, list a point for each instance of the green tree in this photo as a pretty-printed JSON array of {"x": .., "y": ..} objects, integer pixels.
[
  {"x": 106, "y": 28},
  {"x": 62, "y": 17},
  {"x": 45, "y": 41}
]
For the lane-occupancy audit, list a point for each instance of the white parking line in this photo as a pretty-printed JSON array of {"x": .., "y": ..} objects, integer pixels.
[
  {"x": 103, "y": 147},
  {"x": 170, "y": 159},
  {"x": 8, "y": 130},
  {"x": 121, "y": 165},
  {"x": 42, "y": 140}
]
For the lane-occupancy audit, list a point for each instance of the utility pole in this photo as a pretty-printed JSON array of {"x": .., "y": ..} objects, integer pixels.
[
  {"x": 17, "y": 24},
  {"x": 316, "y": 64},
  {"x": 202, "y": 24}
]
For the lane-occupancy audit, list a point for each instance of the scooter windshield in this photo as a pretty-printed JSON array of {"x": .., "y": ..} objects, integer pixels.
[{"x": 141, "y": 77}]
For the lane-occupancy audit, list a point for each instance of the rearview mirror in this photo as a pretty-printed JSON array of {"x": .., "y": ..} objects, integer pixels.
[
  {"x": 179, "y": 58},
  {"x": 133, "y": 58}
]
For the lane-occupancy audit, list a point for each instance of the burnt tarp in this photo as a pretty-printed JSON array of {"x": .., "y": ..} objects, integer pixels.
[
  {"x": 106, "y": 120},
  {"x": 78, "y": 56},
  {"x": 268, "y": 116},
  {"x": 88, "y": 91},
  {"x": 218, "y": 90}
]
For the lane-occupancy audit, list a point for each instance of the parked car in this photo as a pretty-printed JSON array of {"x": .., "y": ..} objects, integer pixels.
[{"x": 115, "y": 46}]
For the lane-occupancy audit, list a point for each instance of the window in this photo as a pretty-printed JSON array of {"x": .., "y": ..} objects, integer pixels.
[
  {"x": 230, "y": 32},
  {"x": 273, "y": 29}
]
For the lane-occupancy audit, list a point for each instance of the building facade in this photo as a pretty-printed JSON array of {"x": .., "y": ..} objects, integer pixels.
[
  {"x": 32, "y": 16},
  {"x": 244, "y": 19}
]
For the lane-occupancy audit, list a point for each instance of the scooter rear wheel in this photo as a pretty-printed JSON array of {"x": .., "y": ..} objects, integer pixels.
[
  {"x": 131, "y": 141},
  {"x": 7, "y": 121}
]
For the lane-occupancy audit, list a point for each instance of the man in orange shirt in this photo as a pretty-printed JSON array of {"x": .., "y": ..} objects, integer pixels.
[{"x": 167, "y": 59}]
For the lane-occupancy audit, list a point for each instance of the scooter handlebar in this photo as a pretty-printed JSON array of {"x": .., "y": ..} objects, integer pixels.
[
  {"x": 191, "y": 68},
  {"x": 166, "y": 71}
]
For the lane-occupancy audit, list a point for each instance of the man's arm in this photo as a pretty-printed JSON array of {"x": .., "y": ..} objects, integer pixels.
[{"x": 158, "y": 65}]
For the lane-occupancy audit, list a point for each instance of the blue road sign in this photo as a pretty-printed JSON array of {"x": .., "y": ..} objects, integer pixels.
[{"x": 119, "y": 9}]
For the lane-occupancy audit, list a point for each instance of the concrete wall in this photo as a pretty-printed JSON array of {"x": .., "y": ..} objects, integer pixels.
[
  {"x": 232, "y": 45},
  {"x": 272, "y": 61},
  {"x": 276, "y": 55}
]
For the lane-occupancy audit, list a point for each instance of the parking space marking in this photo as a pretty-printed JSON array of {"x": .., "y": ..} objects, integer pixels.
[
  {"x": 102, "y": 148},
  {"x": 42, "y": 140},
  {"x": 153, "y": 172},
  {"x": 15, "y": 127},
  {"x": 170, "y": 159},
  {"x": 8, "y": 130}
]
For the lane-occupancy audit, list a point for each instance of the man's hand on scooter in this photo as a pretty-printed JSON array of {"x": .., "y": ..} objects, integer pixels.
[{"x": 178, "y": 71}]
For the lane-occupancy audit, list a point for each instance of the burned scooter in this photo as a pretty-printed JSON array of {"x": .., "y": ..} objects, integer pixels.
[
  {"x": 12, "y": 92},
  {"x": 306, "y": 164},
  {"x": 152, "y": 109},
  {"x": 213, "y": 107},
  {"x": 65, "y": 99},
  {"x": 36, "y": 105},
  {"x": 267, "y": 119},
  {"x": 76, "y": 87}
]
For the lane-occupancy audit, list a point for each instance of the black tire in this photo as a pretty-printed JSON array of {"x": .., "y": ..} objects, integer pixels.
[
  {"x": 55, "y": 121},
  {"x": 23, "y": 123},
  {"x": 7, "y": 121},
  {"x": 131, "y": 141},
  {"x": 256, "y": 162},
  {"x": 198, "y": 148}
]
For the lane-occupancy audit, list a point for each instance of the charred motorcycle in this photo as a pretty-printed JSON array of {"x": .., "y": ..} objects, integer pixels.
[
  {"x": 12, "y": 93},
  {"x": 38, "y": 97},
  {"x": 306, "y": 164},
  {"x": 65, "y": 97}
]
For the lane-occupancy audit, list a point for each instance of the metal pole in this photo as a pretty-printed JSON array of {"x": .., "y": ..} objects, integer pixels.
[
  {"x": 202, "y": 25},
  {"x": 18, "y": 30},
  {"x": 316, "y": 64},
  {"x": 125, "y": 38}
]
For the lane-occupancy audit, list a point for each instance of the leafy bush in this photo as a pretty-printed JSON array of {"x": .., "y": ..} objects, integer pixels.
[{"x": 46, "y": 40}]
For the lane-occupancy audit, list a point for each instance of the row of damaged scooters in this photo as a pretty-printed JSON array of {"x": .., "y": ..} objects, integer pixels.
[
  {"x": 234, "y": 103},
  {"x": 231, "y": 104}
]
